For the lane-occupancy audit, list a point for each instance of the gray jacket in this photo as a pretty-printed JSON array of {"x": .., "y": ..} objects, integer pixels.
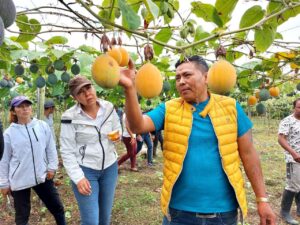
[
  {"x": 84, "y": 142},
  {"x": 29, "y": 153}
]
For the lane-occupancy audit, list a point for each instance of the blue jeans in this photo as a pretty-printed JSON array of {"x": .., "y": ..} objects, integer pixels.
[
  {"x": 95, "y": 209},
  {"x": 179, "y": 217},
  {"x": 147, "y": 139}
]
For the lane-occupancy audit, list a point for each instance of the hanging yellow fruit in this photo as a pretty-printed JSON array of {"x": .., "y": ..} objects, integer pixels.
[
  {"x": 19, "y": 80},
  {"x": 274, "y": 91},
  {"x": 221, "y": 77},
  {"x": 125, "y": 57},
  {"x": 148, "y": 81},
  {"x": 116, "y": 54},
  {"x": 106, "y": 71},
  {"x": 252, "y": 100}
]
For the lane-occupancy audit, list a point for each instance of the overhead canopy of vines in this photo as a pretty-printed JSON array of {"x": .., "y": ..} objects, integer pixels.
[{"x": 40, "y": 52}]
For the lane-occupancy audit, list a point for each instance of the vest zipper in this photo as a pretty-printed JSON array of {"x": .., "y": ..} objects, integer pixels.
[{"x": 33, "y": 161}]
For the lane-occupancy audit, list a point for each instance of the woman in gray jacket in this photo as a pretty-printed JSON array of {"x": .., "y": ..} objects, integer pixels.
[
  {"x": 29, "y": 162},
  {"x": 89, "y": 156}
]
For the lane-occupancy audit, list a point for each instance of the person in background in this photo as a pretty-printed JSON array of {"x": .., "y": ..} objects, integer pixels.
[
  {"x": 206, "y": 137},
  {"x": 29, "y": 163},
  {"x": 88, "y": 155},
  {"x": 49, "y": 108},
  {"x": 289, "y": 139},
  {"x": 1, "y": 141},
  {"x": 129, "y": 140},
  {"x": 120, "y": 113},
  {"x": 146, "y": 138},
  {"x": 157, "y": 137}
]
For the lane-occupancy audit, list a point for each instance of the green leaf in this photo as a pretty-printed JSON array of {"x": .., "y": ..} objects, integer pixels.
[
  {"x": 25, "y": 37},
  {"x": 245, "y": 73},
  {"x": 207, "y": 12},
  {"x": 152, "y": 8},
  {"x": 35, "y": 26},
  {"x": 250, "y": 65},
  {"x": 12, "y": 42},
  {"x": 84, "y": 59},
  {"x": 30, "y": 29},
  {"x": 22, "y": 21},
  {"x": 67, "y": 57},
  {"x": 231, "y": 55},
  {"x": 57, "y": 40},
  {"x": 18, "y": 54},
  {"x": 129, "y": 18},
  {"x": 243, "y": 82},
  {"x": 278, "y": 36},
  {"x": 275, "y": 72},
  {"x": 44, "y": 61},
  {"x": 200, "y": 34},
  {"x": 225, "y": 8},
  {"x": 108, "y": 4},
  {"x": 274, "y": 6},
  {"x": 263, "y": 38},
  {"x": 4, "y": 92},
  {"x": 3, "y": 65},
  {"x": 135, "y": 4},
  {"x": 240, "y": 35},
  {"x": 41, "y": 45},
  {"x": 57, "y": 53},
  {"x": 5, "y": 53},
  {"x": 35, "y": 55},
  {"x": 58, "y": 89},
  {"x": 175, "y": 6},
  {"x": 88, "y": 49},
  {"x": 255, "y": 83},
  {"x": 252, "y": 16},
  {"x": 164, "y": 36},
  {"x": 292, "y": 12}
]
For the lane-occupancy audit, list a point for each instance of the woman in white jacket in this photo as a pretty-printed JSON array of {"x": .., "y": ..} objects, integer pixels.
[
  {"x": 29, "y": 162},
  {"x": 89, "y": 156}
]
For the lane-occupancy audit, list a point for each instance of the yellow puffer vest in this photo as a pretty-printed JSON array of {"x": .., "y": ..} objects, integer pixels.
[{"x": 178, "y": 125}]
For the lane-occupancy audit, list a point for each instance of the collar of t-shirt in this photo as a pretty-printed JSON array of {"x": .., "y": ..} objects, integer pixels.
[{"x": 99, "y": 118}]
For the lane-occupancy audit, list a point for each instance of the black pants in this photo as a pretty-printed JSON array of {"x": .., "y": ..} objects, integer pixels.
[{"x": 47, "y": 193}]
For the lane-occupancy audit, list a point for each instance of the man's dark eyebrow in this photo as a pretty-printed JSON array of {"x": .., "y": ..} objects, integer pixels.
[{"x": 183, "y": 73}]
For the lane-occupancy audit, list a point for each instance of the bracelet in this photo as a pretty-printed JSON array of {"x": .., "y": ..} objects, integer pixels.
[{"x": 261, "y": 199}]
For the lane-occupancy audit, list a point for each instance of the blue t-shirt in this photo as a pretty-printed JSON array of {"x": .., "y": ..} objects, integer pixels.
[{"x": 202, "y": 185}]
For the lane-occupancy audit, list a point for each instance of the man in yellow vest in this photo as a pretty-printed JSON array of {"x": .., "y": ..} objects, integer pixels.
[{"x": 206, "y": 136}]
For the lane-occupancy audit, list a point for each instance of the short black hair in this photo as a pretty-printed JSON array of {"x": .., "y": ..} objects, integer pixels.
[
  {"x": 198, "y": 60},
  {"x": 295, "y": 102}
]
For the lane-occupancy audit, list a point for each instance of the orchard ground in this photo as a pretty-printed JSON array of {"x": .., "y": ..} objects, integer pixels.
[{"x": 137, "y": 200}]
